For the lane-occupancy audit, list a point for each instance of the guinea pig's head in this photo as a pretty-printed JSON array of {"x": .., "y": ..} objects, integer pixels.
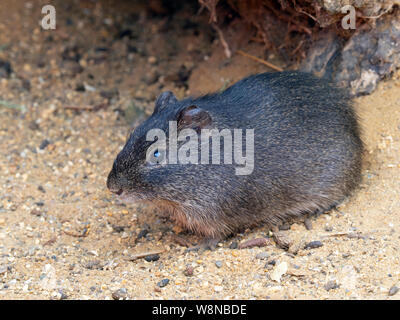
[{"x": 142, "y": 170}]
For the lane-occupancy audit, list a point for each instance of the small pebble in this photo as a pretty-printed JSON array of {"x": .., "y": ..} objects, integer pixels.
[
  {"x": 44, "y": 144},
  {"x": 118, "y": 228},
  {"x": 62, "y": 294},
  {"x": 80, "y": 87},
  {"x": 152, "y": 60},
  {"x": 163, "y": 283},
  {"x": 3, "y": 269},
  {"x": 108, "y": 94},
  {"x": 331, "y": 285},
  {"x": 188, "y": 271},
  {"x": 218, "y": 264},
  {"x": 152, "y": 257},
  {"x": 218, "y": 288},
  {"x": 278, "y": 271},
  {"x": 262, "y": 255},
  {"x": 257, "y": 242},
  {"x": 120, "y": 294},
  {"x": 308, "y": 224},
  {"x": 233, "y": 245},
  {"x": 5, "y": 69},
  {"x": 92, "y": 265},
  {"x": 142, "y": 233},
  {"x": 313, "y": 245},
  {"x": 36, "y": 212},
  {"x": 271, "y": 262},
  {"x": 393, "y": 290}
]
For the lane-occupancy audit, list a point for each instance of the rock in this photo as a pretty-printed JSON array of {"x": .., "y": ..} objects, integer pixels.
[
  {"x": 188, "y": 271},
  {"x": 143, "y": 233},
  {"x": 295, "y": 247},
  {"x": 118, "y": 229},
  {"x": 89, "y": 88},
  {"x": 233, "y": 245},
  {"x": 152, "y": 60},
  {"x": 109, "y": 94},
  {"x": 3, "y": 269},
  {"x": 152, "y": 257},
  {"x": 308, "y": 224},
  {"x": 5, "y": 69},
  {"x": 163, "y": 283},
  {"x": 271, "y": 262},
  {"x": 36, "y": 212},
  {"x": 347, "y": 277},
  {"x": 279, "y": 271},
  {"x": 59, "y": 295},
  {"x": 393, "y": 290},
  {"x": 257, "y": 242},
  {"x": 330, "y": 285},
  {"x": 44, "y": 144},
  {"x": 367, "y": 8},
  {"x": 48, "y": 279},
  {"x": 262, "y": 255},
  {"x": 80, "y": 87},
  {"x": 120, "y": 294},
  {"x": 323, "y": 52},
  {"x": 93, "y": 264},
  {"x": 218, "y": 264},
  {"x": 218, "y": 288},
  {"x": 370, "y": 55},
  {"x": 63, "y": 295},
  {"x": 313, "y": 245}
]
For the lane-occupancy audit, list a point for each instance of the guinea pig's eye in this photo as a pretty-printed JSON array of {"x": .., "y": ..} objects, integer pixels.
[
  {"x": 155, "y": 156},
  {"x": 158, "y": 156}
]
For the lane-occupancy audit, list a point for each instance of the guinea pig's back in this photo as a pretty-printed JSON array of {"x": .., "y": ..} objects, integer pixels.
[{"x": 307, "y": 139}]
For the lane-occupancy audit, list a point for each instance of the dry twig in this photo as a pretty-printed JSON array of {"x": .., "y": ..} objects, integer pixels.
[
  {"x": 268, "y": 64},
  {"x": 143, "y": 255},
  {"x": 228, "y": 52}
]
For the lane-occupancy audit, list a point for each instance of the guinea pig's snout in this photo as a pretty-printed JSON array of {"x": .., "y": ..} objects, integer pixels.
[
  {"x": 118, "y": 192},
  {"x": 112, "y": 182}
]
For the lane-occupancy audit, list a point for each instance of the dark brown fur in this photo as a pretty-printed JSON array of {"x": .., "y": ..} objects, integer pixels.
[{"x": 307, "y": 155}]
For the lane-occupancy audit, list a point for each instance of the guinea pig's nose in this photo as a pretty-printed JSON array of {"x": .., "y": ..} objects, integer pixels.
[
  {"x": 119, "y": 192},
  {"x": 116, "y": 191},
  {"x": 112, "y": 184}
]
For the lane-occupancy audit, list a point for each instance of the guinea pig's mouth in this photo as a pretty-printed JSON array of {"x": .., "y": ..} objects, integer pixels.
[{"x": 130, "y": 197}]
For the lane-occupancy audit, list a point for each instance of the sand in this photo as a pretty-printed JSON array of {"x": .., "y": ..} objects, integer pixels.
[{"x": 63, "y": 235}]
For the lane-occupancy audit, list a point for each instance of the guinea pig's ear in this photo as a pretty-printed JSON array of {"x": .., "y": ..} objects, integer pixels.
[
  {"x": 164, "y": 99},
  {"x": 193, "y": 117}
]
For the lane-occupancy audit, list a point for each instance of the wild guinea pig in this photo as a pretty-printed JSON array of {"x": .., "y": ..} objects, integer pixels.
[{"x": 292, "y": 148}]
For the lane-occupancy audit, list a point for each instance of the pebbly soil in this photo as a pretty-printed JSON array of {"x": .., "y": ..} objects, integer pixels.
[{"x": 66, "y": 106}]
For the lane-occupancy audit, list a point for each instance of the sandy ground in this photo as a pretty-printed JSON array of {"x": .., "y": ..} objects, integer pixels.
[{"x": 64, "y": 236}]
